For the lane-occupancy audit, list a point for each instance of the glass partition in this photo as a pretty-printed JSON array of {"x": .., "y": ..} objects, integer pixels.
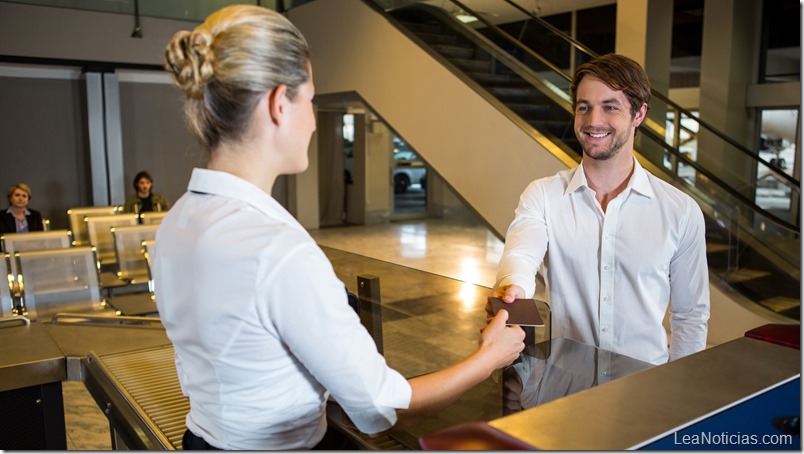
[{"x": 423, "y": 322}]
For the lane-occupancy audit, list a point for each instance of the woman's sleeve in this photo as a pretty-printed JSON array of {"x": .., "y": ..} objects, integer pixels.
[{"x": 309, "y": 309}]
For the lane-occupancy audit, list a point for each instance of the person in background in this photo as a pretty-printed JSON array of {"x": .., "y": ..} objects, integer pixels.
[
  {"x": 260, "y": 324},
  {"x": 18, "y": 217},
  {"x": 616, "y": 245},
  {"x": 144, "y": 200}
]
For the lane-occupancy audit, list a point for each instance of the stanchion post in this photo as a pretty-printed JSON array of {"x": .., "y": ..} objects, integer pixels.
[{"x": 368, "y": 292}]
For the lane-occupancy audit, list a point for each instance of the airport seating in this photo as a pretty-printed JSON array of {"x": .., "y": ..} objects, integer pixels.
[
  {"x": 152, "y": 217},
  {"x": 130, "y": 257},
  {"x": 137, "y": 302},
  {"x": 148, "y": 248},
  {"x": 34, "y": 241},
  {"x": 99, "y": 233},
  {"x": 76, "y": 219},
  {"x": 59, "y": 280},
  {"x": 7, "y": 301}
]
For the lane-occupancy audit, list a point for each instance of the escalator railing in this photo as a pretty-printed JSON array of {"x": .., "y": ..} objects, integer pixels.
[{"x": 533, "y": 86}]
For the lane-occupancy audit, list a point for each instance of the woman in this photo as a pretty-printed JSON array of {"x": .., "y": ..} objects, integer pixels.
[
  {"x": 143, "y": 200},
  {"x": 18, "y": 217},
  {"x": 260, "y": 323}
]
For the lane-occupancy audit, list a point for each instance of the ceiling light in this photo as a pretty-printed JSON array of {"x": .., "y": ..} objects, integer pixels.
[{"x": 465, "y": 18}]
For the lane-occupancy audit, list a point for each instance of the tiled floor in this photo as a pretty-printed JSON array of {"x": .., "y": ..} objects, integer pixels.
[
  {"x": 86, "y": 425},
  {"x": 458, "y": 248}
]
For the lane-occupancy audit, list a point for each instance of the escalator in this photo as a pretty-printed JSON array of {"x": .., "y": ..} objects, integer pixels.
[{"x": 751, "y": 250}]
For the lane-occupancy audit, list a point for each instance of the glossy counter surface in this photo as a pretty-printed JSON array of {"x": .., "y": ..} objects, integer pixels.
[
  {"x": 30, "y": 357},
  {"x": 423, "y": 322},
  {"x": 636, "y": 410},
  {"x": 429, "y": 322}
]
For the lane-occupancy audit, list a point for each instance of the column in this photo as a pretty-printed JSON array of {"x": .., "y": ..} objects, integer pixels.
[
  {"x": 728, "y": 66},
  {"x": 644, "y": 33}
]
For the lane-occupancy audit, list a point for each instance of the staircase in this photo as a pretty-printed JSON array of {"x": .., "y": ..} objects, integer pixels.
[{"x": 480, "y": 62}]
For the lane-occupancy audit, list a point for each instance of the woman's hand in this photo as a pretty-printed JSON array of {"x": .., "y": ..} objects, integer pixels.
[{"x": 499, "y": 343}]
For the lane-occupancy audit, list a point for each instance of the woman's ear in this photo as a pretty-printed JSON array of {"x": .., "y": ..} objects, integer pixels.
[{"x": 277, "y": 100}]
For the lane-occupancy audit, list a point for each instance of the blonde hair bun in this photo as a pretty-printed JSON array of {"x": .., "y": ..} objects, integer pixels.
[
  {"x": 227, "y": 63},
  {"x": 190, "y": 60}
]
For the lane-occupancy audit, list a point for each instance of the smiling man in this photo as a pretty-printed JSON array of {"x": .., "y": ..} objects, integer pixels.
[{"x": 616, "y": 246}]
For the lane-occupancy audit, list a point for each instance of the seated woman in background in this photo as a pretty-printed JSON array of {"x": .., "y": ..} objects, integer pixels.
[
  {"x": 261, "y": 327},
  {"x": 18, "y": 217},
  {"x": 144, "y": 200}
]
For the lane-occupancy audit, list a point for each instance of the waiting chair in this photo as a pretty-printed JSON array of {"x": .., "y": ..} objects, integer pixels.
[
  {"x": 130, "y": 257},
  {"x": 99, "y": 232},
  {"x": 148, "y": 249},
  {"x": 7, "y": 303},
  {"x": 34, "y": 241},
  {"x": 78, "y": 227},
  {"x": 128, "y": 300},
  {"x": 152, "y": 217},
  {"x": 59, "y": 280}
]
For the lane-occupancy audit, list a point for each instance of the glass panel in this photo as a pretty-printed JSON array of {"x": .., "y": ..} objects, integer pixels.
[{"x": 435, "y": 323}]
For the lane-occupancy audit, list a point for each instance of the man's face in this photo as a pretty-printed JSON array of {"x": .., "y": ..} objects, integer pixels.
[
  {"x": 144, "y": 186},
  {"x": 603, "y": 121}
]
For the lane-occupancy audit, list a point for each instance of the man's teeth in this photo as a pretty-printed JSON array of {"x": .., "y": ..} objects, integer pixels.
[{"x": 598, "y": 136}]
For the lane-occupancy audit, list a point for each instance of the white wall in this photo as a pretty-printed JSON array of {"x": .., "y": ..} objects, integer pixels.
[
  {"x": 475, "y": 148},
  {"x": 62, "y": 33},
  {"x": 730, "y": 320}
]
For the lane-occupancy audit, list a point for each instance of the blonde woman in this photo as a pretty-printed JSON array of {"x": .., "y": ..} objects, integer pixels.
[
  {"x": 18, "y": 217},
  {"x": 260, "y": 323}
]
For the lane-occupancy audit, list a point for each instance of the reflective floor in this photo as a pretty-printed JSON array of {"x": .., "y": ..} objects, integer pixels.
[
  {"x": 457, "y": 247},
  {"x": 452, "y": 248}
]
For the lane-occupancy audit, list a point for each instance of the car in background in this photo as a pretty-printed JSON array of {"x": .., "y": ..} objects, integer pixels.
[
  {"x": 772, "y": 193},
  {"x": 408, "y": 168}
]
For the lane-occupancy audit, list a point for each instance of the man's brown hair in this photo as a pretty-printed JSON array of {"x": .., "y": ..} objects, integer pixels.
[{"x": 620, "y": 73}]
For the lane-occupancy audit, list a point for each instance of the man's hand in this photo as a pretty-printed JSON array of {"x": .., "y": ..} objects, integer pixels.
[{"x": 507, "y": 293}]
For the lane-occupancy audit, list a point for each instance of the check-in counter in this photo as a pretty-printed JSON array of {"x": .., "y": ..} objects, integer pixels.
[
  {"x": 652, "y": 409},
  {"x": 32, "y": 368},
  {"x": 38, "y": 356},
  {"x": 559, "y": 394}
]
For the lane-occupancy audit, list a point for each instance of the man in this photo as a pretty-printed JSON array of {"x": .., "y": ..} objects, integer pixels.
[
  {"x": 615, "y": 244},
  {"x": 144, "y": 200}
]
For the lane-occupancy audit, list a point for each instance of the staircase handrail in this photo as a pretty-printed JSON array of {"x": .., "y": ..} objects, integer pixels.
[
  {"x": 648, "y": 132},
  {"x": 654, "y": 93}
]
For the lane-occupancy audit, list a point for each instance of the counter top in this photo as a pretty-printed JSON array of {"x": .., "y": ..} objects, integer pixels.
[
  {"x": 30, "y": 357},
  {"x": 638, "y": 409}
]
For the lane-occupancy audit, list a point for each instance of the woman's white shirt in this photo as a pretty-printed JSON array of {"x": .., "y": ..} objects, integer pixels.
[{"x": 260, "y": 323}]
